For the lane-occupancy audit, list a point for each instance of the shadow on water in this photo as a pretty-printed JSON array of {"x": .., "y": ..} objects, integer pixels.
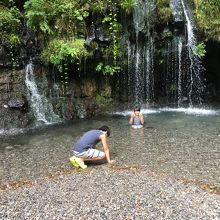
[{"x": 182, "y": 145}]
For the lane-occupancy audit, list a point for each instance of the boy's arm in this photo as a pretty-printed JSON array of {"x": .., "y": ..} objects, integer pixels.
[
  {"x": 142, "y": 119},
  {"x": 131, "y": 119}
]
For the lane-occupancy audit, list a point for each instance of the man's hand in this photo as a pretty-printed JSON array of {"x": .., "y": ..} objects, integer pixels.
[{"x": 112, "y": 161}]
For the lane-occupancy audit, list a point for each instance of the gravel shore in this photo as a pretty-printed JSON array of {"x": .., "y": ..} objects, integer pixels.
[{"x": 102, "y": 192}]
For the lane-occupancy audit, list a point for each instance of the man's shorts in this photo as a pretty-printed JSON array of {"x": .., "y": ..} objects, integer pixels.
[{"x": 90, "y": 153}]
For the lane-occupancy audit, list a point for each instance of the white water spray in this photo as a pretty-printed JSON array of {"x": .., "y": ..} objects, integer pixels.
[
  {"x": 41, "y": 107},
  {"x": 180, "y": 47},
  {"x": 196, "y": 86},
  {"x": 140, "y": 55}
]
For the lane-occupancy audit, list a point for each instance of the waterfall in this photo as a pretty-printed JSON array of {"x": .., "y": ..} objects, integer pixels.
[
  {"x": 177, "y": 10},
  {"x": 140, "y": 49},
  {"x": 173, "y": 80},
  {"x": 40, "y": 106},
  {"x": 178, "y": 77},
  {"x": 197, "y": 86},
  {"x": 190, "y": 82},
  {"x": 180, "y": 47}
]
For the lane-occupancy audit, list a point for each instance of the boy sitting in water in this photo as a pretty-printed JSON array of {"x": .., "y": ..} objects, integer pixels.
[
  {"x": 83, "y": 149},
  {"x": 136, "y": 119}
]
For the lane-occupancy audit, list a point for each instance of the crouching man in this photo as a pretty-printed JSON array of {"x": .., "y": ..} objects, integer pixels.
[{"x": 84, "y": 150}]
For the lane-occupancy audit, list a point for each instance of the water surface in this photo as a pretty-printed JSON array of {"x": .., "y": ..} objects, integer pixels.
[{"x": 181, "y": 143}]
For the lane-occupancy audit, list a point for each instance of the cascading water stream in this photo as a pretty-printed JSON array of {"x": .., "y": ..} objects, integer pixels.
[
  {"x": 183, "y": 82},
  {"x": 178, "y": 78},
  {"x": 196, "y": 83},
  {"x": 180, "y": 47},
  {"x": 190, "y": 82},
  {"x": 174, "y": 88},
  {"x": 41, "y": 107},
  {"x": 140, "y": 51}
]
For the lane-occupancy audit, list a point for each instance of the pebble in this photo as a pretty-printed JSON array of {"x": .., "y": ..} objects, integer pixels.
[{"x": 104, "y": 193}]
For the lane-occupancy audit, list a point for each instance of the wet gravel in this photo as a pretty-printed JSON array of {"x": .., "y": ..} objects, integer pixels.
[{"x": 105, "y": 193}]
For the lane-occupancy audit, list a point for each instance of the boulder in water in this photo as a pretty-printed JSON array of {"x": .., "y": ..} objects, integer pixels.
[{"x": 16, "y": 103}]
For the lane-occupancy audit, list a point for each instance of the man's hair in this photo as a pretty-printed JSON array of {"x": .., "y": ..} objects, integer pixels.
[
  {"x": 136, "y": 108},
  {"x": 105, "y": 128}
]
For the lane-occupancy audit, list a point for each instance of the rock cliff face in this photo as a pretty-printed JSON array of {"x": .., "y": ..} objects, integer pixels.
[{"x": 13, "y": 102}]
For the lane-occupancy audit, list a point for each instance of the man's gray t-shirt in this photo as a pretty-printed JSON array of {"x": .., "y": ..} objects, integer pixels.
[{"x": 88, "y": 140}]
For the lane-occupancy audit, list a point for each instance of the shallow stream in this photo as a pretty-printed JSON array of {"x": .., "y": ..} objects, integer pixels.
[{"x": 184, "y": 143}]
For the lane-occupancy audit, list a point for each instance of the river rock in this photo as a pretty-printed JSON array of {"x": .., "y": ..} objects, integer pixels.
[{"x": 16, "y": 103}]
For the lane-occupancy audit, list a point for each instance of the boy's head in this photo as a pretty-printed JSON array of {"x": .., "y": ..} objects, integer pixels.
[
  {"x": 137, "y": 111},
  {"x": 106, "y": 129}
]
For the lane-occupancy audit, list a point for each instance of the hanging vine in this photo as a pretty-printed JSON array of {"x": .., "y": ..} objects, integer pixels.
[{"x": 114, "y": 50}]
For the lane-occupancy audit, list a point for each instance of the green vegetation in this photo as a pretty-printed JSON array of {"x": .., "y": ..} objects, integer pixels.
[
  {"x": 163, "y": 10},
  {"x": 62, "y": 26},
  {"x": 59, "y": 51},
  {"x": 56, "y": 18},
  {"x": 107, "y": 69},
  {"x": 128, "y": 5},
  {"x": 207, "y": 14},
  {"x": 103, "y": 101},
  {"x": 113, "y": 51},
  {"x": 9, "y": 22},
  {"x": 199, "y": 50}
]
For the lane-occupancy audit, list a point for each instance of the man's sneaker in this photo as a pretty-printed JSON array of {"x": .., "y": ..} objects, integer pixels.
[
  {"x": 73, "y": 162},
  {"x": 80, "y": 163}
]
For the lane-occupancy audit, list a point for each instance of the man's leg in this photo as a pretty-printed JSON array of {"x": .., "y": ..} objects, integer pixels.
[
  {"x": 89, "y": 155},
  {"x": 94, "y": 155}
]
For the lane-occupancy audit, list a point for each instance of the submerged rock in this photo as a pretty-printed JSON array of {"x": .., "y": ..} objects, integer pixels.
[{"x": 17, "y": 103}]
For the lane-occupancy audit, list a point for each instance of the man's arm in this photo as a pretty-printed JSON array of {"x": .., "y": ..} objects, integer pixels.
[{"x": 105, "y": 147}]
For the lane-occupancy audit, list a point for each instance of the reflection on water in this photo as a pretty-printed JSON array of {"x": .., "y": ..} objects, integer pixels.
[{"x": 179, "y": 144}]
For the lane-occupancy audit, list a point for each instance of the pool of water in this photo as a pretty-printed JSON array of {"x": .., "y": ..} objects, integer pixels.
[{"x": 183, "y": 143}]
